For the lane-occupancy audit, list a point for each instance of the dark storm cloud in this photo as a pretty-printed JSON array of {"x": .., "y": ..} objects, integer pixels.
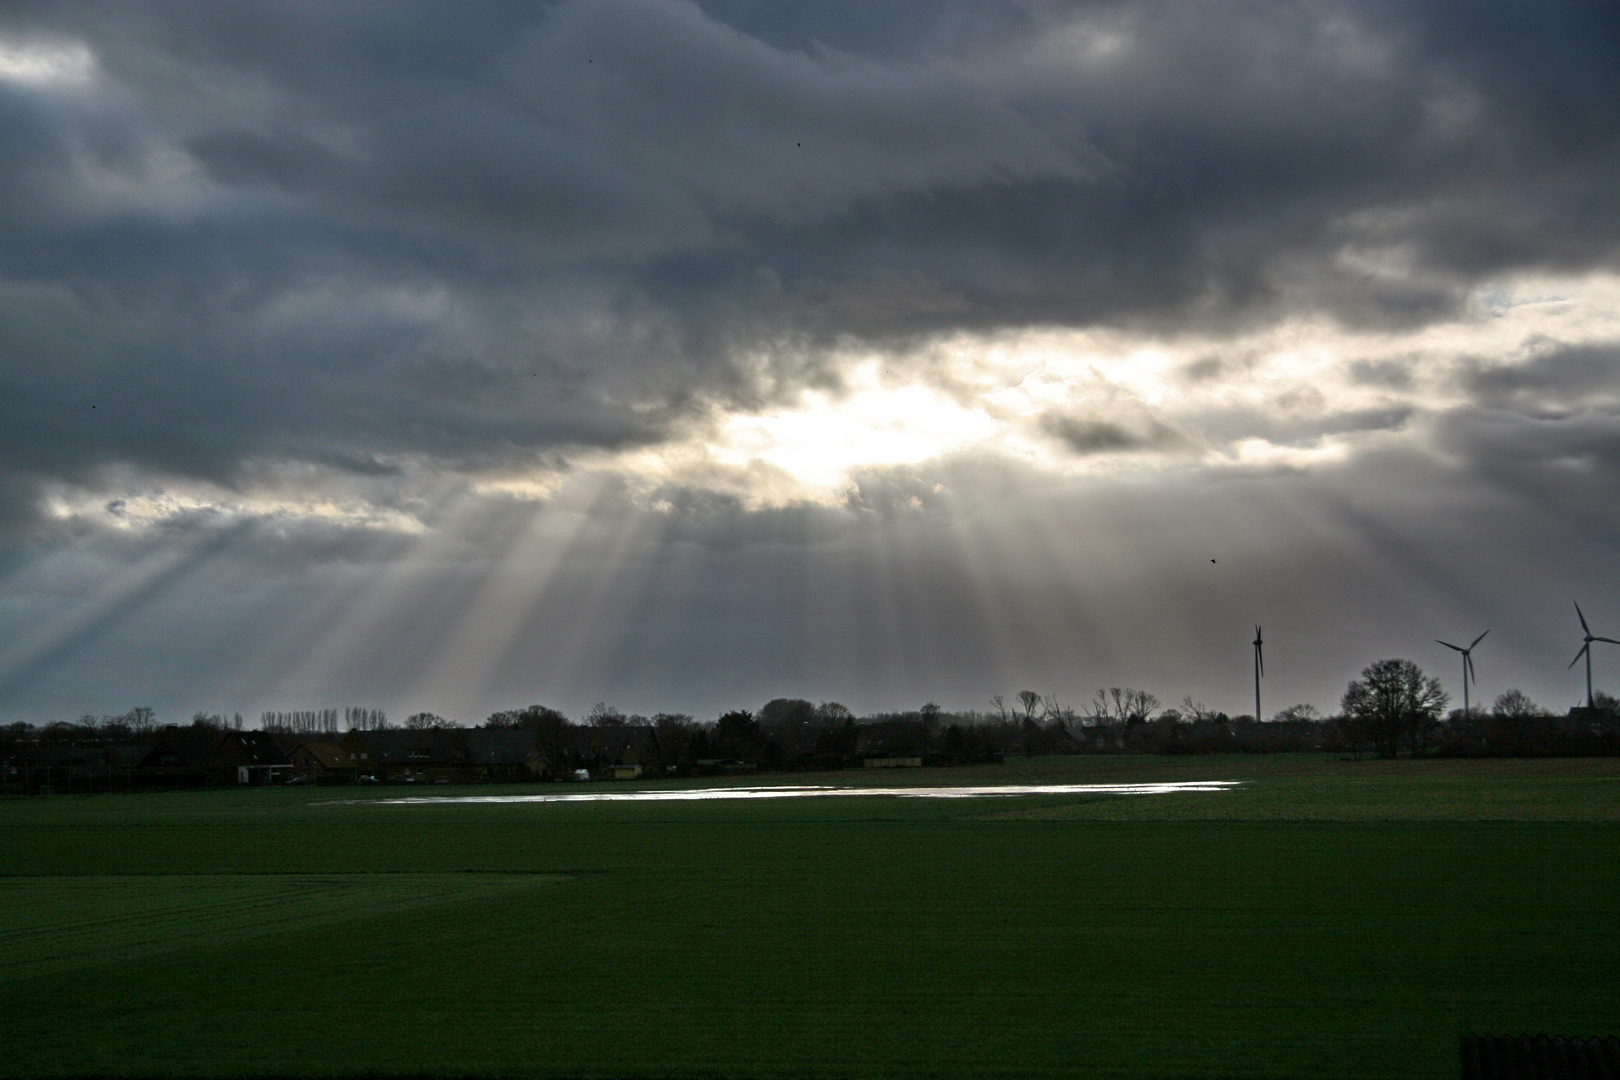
[
  {"x": 356, "y": 233},
  {"x": 1091, "y": 436},
  {"x": 1556, "y": 380},
  {"x": 1564, "y": 465},
  {"x": 1392, "y": 374},
  {"x": 1547, "y": 429}
]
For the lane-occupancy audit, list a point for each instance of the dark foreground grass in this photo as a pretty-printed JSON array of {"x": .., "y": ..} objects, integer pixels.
[{"x": 1328, "y": 920}]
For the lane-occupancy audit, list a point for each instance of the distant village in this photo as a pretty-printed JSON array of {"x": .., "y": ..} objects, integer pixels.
[{"x": 135, "y": 751}]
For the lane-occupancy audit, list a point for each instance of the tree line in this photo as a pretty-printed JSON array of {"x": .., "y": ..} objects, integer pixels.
[{"x": 1393, "y": 709}]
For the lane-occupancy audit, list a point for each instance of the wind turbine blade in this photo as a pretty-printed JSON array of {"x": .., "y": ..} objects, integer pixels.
[
  {"x": 1449, "y": 645},
  {"x": 1468, "y": 662},
  {"x": 1259, "y": 654},
  {"x": 1580, "y": 654},
  {"x": 1478, "y": 639},
  {"x": 1581, "y": 617},
  {"x": 1610, "y": 640}
]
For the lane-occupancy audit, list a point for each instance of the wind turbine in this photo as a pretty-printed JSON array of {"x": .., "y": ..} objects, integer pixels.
[
  {"x": 1259, "y": 670},
  {"x": 1468, "y": 664},
  {"x": 1586, "y": 651}
]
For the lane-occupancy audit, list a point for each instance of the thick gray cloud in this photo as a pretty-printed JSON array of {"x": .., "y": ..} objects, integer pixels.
[
  {"x": 352, "y": 261},
  {"x": 262, "y": 222},
  {"x": 1555, "y": 381},
  {"x": 1085, "y": 436}
]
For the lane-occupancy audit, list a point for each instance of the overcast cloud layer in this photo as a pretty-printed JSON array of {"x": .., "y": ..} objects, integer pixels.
[{"x": 683, "y": 355}]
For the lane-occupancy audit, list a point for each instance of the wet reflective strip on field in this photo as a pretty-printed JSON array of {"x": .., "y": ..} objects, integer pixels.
[{"x": 812, "y": 791}]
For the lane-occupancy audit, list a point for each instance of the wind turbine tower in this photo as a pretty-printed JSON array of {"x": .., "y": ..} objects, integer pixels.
[
  {"x": 1259, "y": 670},
  {"x": 1586, "y": 651},
  {"x": 1468, "y": 664}
]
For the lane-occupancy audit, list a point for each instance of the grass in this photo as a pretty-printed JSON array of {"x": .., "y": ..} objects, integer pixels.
[
  {"x": 1327, "y": 919},
  {"x": 59, "y": 923}
]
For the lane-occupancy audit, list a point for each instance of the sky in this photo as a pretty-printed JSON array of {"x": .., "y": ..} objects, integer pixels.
[{"x": 449, "y": 357}]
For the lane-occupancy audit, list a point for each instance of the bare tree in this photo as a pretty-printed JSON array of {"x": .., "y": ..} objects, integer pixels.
[
  {"x": 1030, "y": 700},
  {"x": 831, "y": 712},
  {"x": 424, "y": 721},
  {"x": 1139, "y": 706},
  {"x": 1196, "y": 710},
  {"x": 1055, "y": 713},
  {"x": 1122, "y": 704},
  {"x": 360, "y": 718},
  {"x": 1515, "y": 704}
]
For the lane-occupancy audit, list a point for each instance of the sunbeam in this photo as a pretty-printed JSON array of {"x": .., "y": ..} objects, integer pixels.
[
  {"x": 478, "y": 638},
  {"x": 131, "y": 593},
  {"x": 389, "y": 614}
]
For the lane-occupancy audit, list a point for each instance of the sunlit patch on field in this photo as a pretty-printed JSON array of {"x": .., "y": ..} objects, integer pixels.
[
  {"x": 804, "y": 791},
  {"x": 55, "y": 923}
]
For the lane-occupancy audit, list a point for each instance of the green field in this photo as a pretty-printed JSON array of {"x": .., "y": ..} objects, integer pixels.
[{"x": 1327, "y": 919}]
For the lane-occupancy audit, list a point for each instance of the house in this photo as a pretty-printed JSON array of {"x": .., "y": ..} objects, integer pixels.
[
  {"x": 433, "y": 755},
  {"x": 75, "y": 767},
  {"x": 198, "y": 756},
  {"x": 258, "y": 757},
  {"x": 503, "y": 755},
  {"x": 323, "y": 762}
]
